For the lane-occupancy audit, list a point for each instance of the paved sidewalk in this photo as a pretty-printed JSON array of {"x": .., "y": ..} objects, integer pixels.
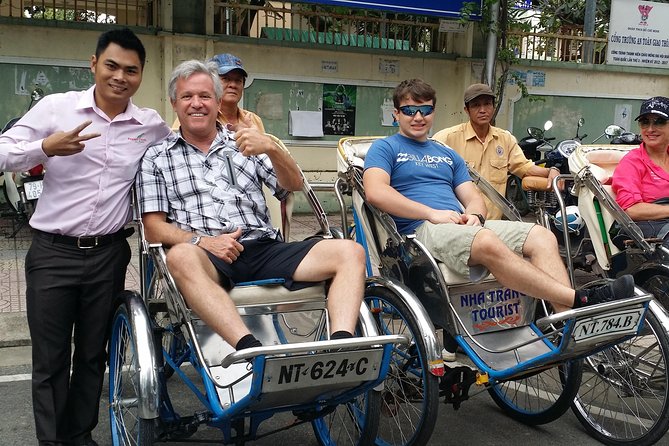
[{"x": 13, "y": 323}]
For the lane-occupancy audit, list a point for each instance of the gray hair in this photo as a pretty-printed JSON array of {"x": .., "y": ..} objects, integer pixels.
[{"x": 190, "y": 67}]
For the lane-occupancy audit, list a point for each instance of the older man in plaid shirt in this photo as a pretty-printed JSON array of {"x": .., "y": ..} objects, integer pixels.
[{"x": 201, "y": 195}]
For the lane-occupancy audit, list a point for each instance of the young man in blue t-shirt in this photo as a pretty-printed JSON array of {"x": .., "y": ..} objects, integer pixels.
[{"x": 425, "y": 186}]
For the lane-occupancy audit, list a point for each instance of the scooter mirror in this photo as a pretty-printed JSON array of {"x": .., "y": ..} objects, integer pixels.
[
  {"x": 37, "y": 94},
  {"x": 548, "y": 125},
  {"x": 581, "y": 122},
  {"x": 535, "y": 132},
  {"x": 613, "y": 130}
]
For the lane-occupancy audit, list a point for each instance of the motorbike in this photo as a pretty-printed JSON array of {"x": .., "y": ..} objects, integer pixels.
[
  {"x": 536, "y": 143},
  {"x": 23, "y": 189},
  {"x": 558, "y": 156},
  {"x": 538, "y": 148},
  {"x": 618, "y": 135}
]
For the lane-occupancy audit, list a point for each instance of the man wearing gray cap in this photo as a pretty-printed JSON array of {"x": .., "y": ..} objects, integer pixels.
[{"x": 491, "y": 151}]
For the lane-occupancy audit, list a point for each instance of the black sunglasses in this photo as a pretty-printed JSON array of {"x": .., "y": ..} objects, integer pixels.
[
  {"x": 657, "y": 122},
  {"x": 411, "y": 110}
]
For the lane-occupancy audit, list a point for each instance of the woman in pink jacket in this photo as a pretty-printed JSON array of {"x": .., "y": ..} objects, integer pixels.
[{"x": 641, "y": 180}]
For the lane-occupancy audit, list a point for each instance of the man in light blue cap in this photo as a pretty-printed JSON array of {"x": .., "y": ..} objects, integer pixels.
[{"x": 233, "y": 76}]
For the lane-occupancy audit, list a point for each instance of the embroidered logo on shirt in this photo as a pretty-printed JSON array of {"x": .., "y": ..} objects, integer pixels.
[
  {"x": 138, "y": 139},
  {"x": 500, "y": 151}
]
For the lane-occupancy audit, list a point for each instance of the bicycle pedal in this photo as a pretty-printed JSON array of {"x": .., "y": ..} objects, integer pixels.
[{"x": 455, "y": 384}]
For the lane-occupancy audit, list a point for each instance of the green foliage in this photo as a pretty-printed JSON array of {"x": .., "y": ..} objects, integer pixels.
[
  {"x": 511, "y": 18},
  {"x": 70, "y": 15},
  {"x": 467, "y": 11},
  {"x": 555, "y": 14}
]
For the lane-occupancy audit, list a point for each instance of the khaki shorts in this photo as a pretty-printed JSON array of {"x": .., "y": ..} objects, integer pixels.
[{"x": 452, "y": 244}]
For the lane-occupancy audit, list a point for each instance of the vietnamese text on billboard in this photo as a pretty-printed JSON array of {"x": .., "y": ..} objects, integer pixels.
[{"x": 638, "y": 34}]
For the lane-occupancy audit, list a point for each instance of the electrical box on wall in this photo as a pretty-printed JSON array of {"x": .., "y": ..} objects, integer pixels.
[{"x": 189, "y": 16}]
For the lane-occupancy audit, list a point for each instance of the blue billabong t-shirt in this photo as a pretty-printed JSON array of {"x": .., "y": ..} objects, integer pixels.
[{"x": 425, "y": 172}]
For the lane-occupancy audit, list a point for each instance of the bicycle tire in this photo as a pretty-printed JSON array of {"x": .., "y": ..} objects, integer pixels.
[
  {"x": 354, "y": 423},
  {"x": 127, "y": 428},
  {"x": 623, "y": 397},
  {"x": 539, "y": 398},
  {"x": 410, "y": 396},
  {"x": 657, "y": 284}
]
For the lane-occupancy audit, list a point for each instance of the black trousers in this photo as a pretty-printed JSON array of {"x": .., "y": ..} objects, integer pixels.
[{"x": 70, "y": 288}]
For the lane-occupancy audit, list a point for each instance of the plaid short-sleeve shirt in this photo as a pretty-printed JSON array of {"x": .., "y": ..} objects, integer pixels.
[{"x": 208, "y": 193}]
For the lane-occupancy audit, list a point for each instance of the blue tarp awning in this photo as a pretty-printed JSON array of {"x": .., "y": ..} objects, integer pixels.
[{"x": 443, "y": 8}]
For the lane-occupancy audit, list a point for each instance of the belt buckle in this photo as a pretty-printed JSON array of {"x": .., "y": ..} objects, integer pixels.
[{"x": 85, "y": 245}]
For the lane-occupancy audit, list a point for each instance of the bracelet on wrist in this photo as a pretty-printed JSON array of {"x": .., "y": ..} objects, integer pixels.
[{"x": 481, "y": 218}]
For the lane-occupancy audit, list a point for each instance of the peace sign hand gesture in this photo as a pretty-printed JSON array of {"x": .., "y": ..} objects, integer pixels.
[{"x": 67, "y": 143}]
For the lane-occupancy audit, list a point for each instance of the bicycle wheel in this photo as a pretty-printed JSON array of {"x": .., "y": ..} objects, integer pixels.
[
  {"x": 170, "y": 340},
  {"x": 354, "y": 423},
  {"x": 127, "y": 428},
  {"x": 657, "y": 284},
  {"x": 540, "y": 397},
  {"x": 410, "y": 396},
  {"x": 623, "y": 397}
]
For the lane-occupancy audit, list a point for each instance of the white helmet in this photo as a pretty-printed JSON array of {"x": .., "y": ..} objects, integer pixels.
[{"x": 574, "y": 221}]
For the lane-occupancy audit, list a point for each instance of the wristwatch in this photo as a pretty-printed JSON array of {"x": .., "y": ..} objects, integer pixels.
[
  {"x": 195, "y": 240},
  {"x": 481, "y": 218}
]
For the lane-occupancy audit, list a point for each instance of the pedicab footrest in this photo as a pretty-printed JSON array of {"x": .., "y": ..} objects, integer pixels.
[
  {"x": 601, "y": 323},
  {"x": 300, "y": 373},
  {"x": 312, "y": 347}
]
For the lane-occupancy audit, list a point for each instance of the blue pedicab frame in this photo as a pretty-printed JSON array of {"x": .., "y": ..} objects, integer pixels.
[
  {"x": 511, "y": 360},
  {"x": 154, "y": 334}
]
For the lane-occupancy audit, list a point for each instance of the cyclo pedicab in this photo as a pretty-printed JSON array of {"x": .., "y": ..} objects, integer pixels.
[
  {"x": 533, "y": 363},
  {"x": 332, "y": 384},
  {"x": 627, "y": 383}
]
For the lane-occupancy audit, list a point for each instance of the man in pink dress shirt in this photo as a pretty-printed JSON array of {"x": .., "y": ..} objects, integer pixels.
[{"x": 90, "y": 143}]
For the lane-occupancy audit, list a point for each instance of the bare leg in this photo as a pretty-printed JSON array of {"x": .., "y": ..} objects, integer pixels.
[
  {"x": 197, "y": 280},
  {"x": 515, "y": 272},
  {"x": 344, "y": 262},
  {"x": 541, "y": 249}
]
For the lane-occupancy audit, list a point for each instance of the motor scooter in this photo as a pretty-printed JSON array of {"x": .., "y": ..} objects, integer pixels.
[
  {"x": 558, "y": 156},
  {"x": 536, "y": 144},
  {"x": 618, "y": 135},
  {"x": 23, "y": 189},
  {"x": 537, "y": 148}
]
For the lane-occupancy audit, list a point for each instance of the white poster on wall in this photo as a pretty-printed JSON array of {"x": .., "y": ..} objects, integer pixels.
[
  {"x": 623, "y": 116},
  {"x": 638, "y": 34}
]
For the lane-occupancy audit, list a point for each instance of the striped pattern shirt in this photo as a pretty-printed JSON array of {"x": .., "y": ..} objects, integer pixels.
[{"x": 208, "y": 193}]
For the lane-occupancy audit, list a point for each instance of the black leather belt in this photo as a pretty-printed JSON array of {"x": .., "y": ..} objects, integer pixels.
[{"x": 87, "y": 241}]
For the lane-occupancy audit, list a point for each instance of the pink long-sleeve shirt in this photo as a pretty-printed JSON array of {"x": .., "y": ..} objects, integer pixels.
[
  {"x": 86, "y": 193},
  {"x": 638, "y": 179}
]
